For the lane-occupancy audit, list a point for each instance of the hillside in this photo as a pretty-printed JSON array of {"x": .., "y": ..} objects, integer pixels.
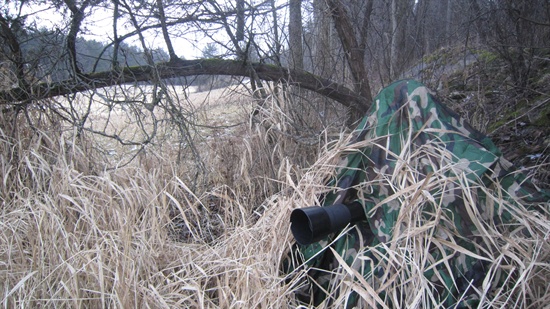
[{"x": 477, "y": 85}]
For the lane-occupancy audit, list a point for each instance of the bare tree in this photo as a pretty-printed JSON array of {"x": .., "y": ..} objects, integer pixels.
[
  {"x": 145, "y": 18},
  {"x": 353, "y": 50},
  {"x": 367, "y": 44},
  {"x": 520, "y": 29}
]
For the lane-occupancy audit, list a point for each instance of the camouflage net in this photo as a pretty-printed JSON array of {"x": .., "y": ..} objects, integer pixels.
[{"x": 447, "y": 216}]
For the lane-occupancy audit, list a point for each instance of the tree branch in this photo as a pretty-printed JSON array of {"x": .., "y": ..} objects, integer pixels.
[
  {"x": 167, "y": 40},
  {"x": 76, "y": 20},
  {"x": 183, "y": 68}
]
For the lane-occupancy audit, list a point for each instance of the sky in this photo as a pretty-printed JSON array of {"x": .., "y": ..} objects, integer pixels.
[
  {"x": 99, "y": 27},
  {"x": 188, "y": 44}
]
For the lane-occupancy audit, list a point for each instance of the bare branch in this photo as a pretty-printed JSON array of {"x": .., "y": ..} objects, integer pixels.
[
  {"x": 182, "y": 68},
  {"x": 76, "y": 20},
  {"x": 165, "y": 34}
]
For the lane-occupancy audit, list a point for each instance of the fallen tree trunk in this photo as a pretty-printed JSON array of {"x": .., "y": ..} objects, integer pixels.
[{"x": 182, "y": 68}]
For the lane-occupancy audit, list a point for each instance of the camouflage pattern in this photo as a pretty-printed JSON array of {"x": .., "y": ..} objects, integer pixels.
[{"x": 404, "y": 118}]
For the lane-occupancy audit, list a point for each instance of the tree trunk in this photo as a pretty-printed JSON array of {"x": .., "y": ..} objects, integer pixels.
[
  {"x": 448, "y": 22},
  {"x": 321, "y": 44},
  {"x": 240, "y": 21},
  {"x": 354, "y": 54},
  {"x": 295, "y": 34},
  {"x": 398, "y": 12}
]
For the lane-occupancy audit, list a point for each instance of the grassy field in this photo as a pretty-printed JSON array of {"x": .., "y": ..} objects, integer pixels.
[{"x": 77, "y": 233}]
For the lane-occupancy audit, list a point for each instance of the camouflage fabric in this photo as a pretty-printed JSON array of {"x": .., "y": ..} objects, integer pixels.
[{"x": 403, "y": 120}]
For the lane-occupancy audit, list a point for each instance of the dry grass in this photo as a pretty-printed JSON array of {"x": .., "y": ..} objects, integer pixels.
[
  {"x": 517, "y": 253},
  {"x": 75, "y": 235},
  {"x": 73, "y": 238}
]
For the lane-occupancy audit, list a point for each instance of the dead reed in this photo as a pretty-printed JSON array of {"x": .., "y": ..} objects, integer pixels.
[{"x": 75, "y": 235}]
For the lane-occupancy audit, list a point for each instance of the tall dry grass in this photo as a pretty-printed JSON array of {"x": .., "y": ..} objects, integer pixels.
[
  {"x": 74, "y": 234},
  {"x": 516, "y": 254}
]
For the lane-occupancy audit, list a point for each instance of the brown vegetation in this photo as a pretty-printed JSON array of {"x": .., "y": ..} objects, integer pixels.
[
  {"x": 120, "y": 188},
  {"x": 74, "y": 234}
]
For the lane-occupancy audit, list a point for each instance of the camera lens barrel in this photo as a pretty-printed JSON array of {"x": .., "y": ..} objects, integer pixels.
[{"x": 311, "y": 224}]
